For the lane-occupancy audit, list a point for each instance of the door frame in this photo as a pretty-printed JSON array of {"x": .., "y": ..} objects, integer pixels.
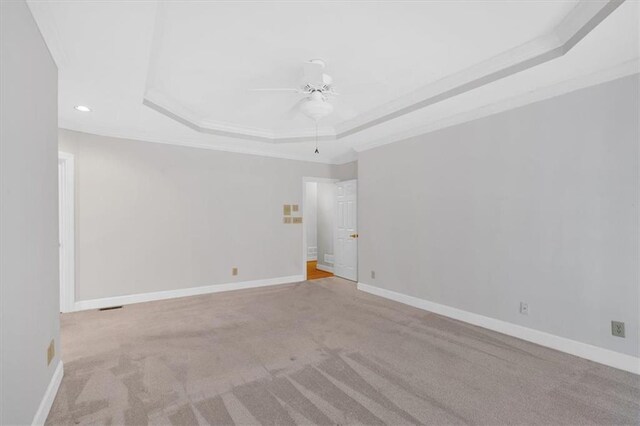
[
  {"x": 304, "y": 232},
  {"x": 67, "y": 234}
]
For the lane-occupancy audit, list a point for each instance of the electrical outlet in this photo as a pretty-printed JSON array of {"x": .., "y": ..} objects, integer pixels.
[
  {"x": 234, "y": 271},
  {"x": 373, "y": 275},
  {"x": 617, "y": 328},
  {"x": 524, "y": 308},
  {"x": 51, "y": 352}
]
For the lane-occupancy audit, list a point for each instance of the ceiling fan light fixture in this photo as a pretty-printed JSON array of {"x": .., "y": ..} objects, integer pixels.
[{"x": 316, "y": 109}]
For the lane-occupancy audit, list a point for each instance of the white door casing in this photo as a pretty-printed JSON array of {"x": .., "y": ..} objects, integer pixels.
[
  {"x": 66, "y": 231},
  {"x": 346, "y": 234}
]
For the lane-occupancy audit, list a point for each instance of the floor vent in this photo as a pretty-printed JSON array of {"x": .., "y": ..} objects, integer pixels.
[{"x": 110, "y": 308}]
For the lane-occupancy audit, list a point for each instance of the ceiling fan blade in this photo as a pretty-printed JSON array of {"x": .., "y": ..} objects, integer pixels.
[
  {"x": 294, "y": 110},
  {"x": 313, "y": 73},
  {"x": 276, "y": 90}
]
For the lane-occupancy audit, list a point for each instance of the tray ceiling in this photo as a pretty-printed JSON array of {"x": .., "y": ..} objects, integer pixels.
[{"x": 181, "y": 72}]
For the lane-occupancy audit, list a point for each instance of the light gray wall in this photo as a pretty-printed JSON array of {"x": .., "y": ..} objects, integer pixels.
[
  {"x": 345, "y": 171},
  {"x": 326, "y": 220},
  {"x": 29, "y": 288},
  {"x": 537, "y": 204},
  {"x": 311, "y": 216},
  {"x": 153, "y": 217}
]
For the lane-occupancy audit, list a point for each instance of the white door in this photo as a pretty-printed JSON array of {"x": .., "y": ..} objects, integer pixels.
[{"x": 345, "y": 261}]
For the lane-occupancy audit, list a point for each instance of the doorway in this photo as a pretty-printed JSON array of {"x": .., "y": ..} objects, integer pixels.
[
  {"x": 66, "y": 230},
  {"x": 324, "y": 229}
]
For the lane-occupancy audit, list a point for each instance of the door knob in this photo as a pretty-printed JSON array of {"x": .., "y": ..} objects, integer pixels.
[{"x": 354, "y": 235}]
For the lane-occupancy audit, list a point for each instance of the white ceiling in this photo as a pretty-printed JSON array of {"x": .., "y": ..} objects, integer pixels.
[
  {"x": 180, "y": 72},
  {"x": 206, "y": 55}
]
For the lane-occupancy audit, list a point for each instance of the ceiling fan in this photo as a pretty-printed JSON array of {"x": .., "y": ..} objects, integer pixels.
[{"x": 316, "y": 87}]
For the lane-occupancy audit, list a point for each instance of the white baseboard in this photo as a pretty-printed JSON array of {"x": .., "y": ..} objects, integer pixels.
[
  {"x": 49, "y": 396},
  {"x": 183, "y": 292},
  {"x": 582, "y": 350},
  {"x": 324, "y": 268}
]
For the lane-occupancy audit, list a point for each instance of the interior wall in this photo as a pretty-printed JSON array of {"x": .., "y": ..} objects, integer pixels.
[
  {"x": 538, "y": 204},
  {"x": 326, "y": 218},
  {"x": 29, "y": 287},
  {"x": 311, "y": 219},
  {"x": 346, "y": 171},
  {"x": 154, "y": 217}
]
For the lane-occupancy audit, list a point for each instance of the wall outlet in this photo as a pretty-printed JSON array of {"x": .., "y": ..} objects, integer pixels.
[
  {"x": 524, "y": 308},
  {"x": 51, "y": 352},
  {"x": 234, "y": 271},
  {"x": 373, "y": 275},
  {"x": 617, "y": 328}
]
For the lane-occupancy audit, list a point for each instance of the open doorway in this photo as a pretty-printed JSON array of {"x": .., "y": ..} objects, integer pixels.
[
  {"x": 318, "y": 209},
  {"x": 330, "y": 245}
]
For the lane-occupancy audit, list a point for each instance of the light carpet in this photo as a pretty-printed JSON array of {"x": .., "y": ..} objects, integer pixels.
[{"x": 319, "y": 352}]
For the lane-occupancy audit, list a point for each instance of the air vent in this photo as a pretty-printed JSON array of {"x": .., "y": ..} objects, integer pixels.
[{"x": 110, "y": 308}]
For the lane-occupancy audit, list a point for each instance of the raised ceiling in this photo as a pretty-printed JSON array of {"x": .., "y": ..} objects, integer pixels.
[
  {"x": 205, "y": 56},
  {"x": 181, "y": 72}
]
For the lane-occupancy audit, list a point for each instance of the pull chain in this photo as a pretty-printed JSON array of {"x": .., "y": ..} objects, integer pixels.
[{"x": 316, "y": 151}]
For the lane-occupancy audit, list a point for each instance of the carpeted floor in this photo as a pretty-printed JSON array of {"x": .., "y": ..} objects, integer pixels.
[{"x": 319, "y": 354}]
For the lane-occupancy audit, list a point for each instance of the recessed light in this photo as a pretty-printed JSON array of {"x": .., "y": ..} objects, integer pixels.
[{"x": 83, "y": 108}]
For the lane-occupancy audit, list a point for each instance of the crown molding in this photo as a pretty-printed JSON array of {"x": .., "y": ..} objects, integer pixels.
[
  {"x": 172, "y": 109},
  {"x": 137, "y": 135},
  {"x": 573, "y": 28},
  {"x": 622, "y": 70},
  {"x": 583, "y": 18}
]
